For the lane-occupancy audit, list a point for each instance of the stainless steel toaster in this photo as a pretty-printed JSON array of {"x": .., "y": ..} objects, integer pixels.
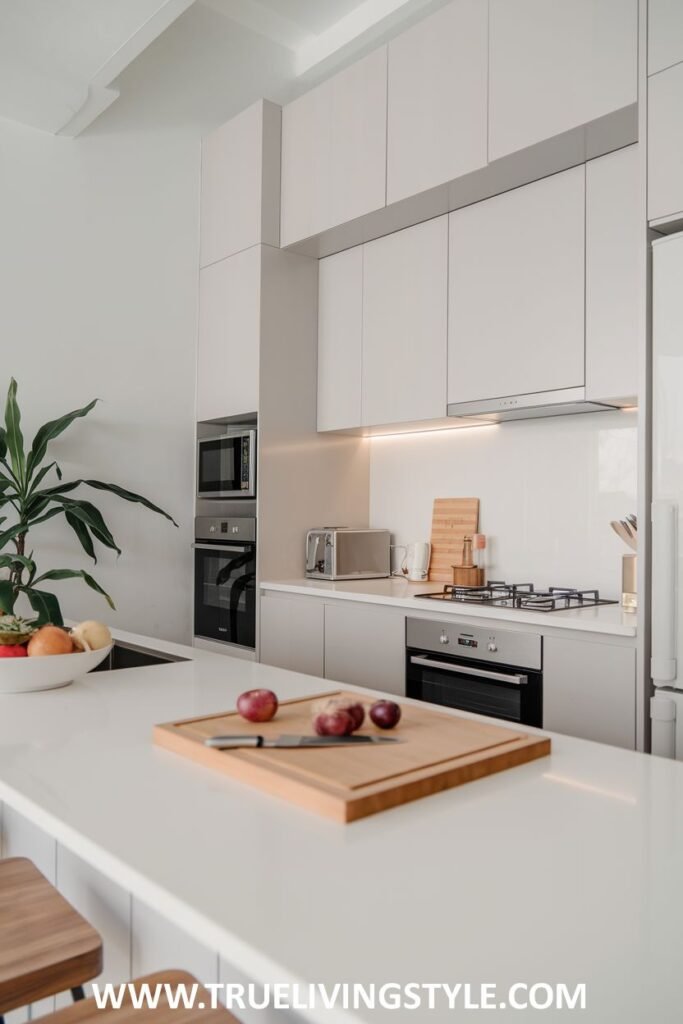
[{"x": 341, "y": 553}]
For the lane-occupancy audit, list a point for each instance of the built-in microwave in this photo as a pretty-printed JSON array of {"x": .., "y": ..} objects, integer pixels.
[{"x": 226, "y": 465}]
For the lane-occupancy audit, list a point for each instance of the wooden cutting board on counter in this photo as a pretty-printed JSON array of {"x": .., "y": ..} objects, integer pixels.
[
  {"x": 453, "y": 519},
  {"x": 437, "y": 752}
]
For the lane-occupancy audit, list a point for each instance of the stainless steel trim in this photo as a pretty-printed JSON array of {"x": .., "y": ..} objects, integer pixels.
[
  {"x": 221, "y": 547},
  {"x": 501, "y": 677},
  {"x": 542, "y": 403}
]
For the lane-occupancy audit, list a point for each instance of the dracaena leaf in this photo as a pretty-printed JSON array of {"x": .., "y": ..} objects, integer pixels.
[
  {"x": 49, "y": 431},
  {"x": 81, "y": 531},
  {"x": 71, "y": 574},
  {"x": 42, "y": 473},
  {"x": 7, "y": 597},
  {"x": 11, "y": 532},
  {"x": 13, "y": 436},
  {"x": 45, "y": 605},
  {"x": 92, "y": 517},
  {"x": 129, "y": 496},
  {"x": 10, "y": 561}
]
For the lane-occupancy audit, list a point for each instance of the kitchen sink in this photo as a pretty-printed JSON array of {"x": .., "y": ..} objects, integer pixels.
[{"x": 125, "y": 655}]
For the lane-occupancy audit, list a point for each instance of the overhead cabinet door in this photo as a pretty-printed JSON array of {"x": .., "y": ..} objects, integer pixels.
[
  {"x": 437, "y": 102},
  {"x": 516, "y": 292},
  {"x": 556, "y": 65},
  {"x": 340, "y": 326},
  {"x": 405, "y": 296},
  {"x": 334, "y": 150}
]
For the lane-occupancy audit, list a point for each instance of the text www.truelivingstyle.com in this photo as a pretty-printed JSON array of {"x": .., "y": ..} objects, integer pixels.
[{"x": 346, "y": 996}]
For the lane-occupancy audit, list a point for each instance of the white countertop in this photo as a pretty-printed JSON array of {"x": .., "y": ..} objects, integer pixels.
[
  {"x": 610, "y": 619},
  {"x": 563, "y": 870}
]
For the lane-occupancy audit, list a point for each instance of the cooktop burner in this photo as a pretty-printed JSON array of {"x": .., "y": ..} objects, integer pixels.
[{"x": 521, "y": 595}]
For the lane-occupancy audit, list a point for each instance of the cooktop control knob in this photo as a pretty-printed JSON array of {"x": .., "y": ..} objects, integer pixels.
[
  {"x": 492, "y": 647},
  {"x": 444, "y": 638}
]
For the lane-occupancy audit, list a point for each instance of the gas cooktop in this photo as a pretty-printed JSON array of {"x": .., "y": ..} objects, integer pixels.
[{"x": 523, "y": 596}]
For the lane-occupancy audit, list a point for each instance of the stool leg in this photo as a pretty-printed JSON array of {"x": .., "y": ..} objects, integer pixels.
[{"x": 76, "y": 994}]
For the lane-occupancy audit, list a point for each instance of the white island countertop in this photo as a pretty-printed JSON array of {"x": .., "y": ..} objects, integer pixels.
[
  {"x": 563, "y": 870},
  {"x": 610, "y": 619}
]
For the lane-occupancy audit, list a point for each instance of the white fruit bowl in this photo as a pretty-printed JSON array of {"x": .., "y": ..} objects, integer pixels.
[{"x": 22, "y": 675}]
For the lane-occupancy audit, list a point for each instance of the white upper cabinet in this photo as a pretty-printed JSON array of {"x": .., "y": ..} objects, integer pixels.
[
  {"x": 437, "y": 102},
  {"x": 228, "y": 338},
  {"x": 516, "y": 300},
  {"x": 665, "y": 34},
  {"x": 334, "y": 150},
  {"x": 558, "y": 64},
  {"x": 614, "y": 288},
  {"x": 665, "y": 145},
  {"x": 240, "y": 190},
  {"x": 405, "y": 297},
  {"x": 340, "y": 330}
]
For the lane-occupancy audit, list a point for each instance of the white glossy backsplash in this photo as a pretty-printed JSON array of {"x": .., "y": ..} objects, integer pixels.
[{"x": 548, "y": 491}]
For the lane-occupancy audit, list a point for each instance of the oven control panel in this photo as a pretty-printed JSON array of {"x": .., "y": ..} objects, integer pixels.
[{"x": 457, "y": 640}]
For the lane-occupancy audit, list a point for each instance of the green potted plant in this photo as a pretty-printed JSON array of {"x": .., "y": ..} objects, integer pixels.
[{"x": 28, "y": 499}]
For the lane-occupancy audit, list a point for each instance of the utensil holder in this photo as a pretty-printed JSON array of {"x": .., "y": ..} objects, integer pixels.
[
  {"x": 467, "y": 576},
  {"x": 629, "y": 585}
]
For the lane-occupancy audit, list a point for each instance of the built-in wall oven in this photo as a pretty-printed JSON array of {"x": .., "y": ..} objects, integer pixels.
[
  {"x": 484, "y": 670},
  {"x": 226, "y": 465},
  {"x": 225, "y": 580}
]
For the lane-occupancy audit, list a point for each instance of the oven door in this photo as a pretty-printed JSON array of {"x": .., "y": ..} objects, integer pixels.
[
  {"x": 512, "y": 694},
  {"x": 225, "y": 593},
  {"x": 226, "y": 466}
]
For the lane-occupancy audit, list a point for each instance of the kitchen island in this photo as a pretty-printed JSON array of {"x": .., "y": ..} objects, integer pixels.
[{"x": 563, "y": 870}]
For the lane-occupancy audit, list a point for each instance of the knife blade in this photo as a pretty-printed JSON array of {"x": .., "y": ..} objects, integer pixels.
[{"x": 294, "y": 742}]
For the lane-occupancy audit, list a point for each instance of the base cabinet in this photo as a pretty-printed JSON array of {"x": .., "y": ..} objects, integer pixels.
[
  {"x": 365, "y": 646},
  {"x": 106, "y": 906},
  {"x": 589, "y": 691},
  {"x": 291, "y": 631}
]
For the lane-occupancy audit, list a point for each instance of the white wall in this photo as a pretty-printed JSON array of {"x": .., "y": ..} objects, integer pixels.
[
  {"x": 548, "y": 491},
  {"x": 98, "y": 297}
]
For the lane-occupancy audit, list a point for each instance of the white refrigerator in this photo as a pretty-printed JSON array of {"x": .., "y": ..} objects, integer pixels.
[{"x": 667, "y": 496}]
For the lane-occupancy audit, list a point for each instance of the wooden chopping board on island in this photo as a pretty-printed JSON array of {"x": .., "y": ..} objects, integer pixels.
[
  {"x": 437, "y": 751},
  {"x": 453, "y": 519}
]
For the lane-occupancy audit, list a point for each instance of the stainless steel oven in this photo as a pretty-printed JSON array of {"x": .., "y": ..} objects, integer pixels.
[
  {"x": 485, "y": 670},
  {"x": 225, "y": 580},
  {"x": 226, "y": 465}
]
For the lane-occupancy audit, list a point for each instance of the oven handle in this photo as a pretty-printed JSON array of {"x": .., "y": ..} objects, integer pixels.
[
  {"x": 501, "y": 677},
  {"x": 221, "y": 547}
]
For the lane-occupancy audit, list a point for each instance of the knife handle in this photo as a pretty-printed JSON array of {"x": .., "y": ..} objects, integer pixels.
[{"x": 233, "y": 742}]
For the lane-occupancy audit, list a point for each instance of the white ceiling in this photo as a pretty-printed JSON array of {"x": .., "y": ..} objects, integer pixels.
[{"x": 60, "y": 59}]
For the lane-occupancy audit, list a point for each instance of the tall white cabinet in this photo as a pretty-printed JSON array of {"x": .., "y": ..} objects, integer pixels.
[
  {"x": 516, "y": 300},
  {"x": 556, "y": 65},
  {"x": 228, "y": 336},
  {"x": 437, "y": 101}
]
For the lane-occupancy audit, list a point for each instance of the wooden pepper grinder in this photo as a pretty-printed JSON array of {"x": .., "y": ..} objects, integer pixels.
[{"x": 467, "y": 574}]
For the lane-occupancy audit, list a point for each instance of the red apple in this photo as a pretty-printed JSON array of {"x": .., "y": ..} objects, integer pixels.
[
  {"x": 257, "y": 705},
  {"x": 333, "y": 723},
  {"x": 348, "y": 704},
  {"x": 12, "y": 651},
  {"x": 385, "y": 714}
]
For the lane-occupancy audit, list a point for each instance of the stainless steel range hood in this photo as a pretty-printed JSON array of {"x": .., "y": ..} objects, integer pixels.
[{"x": 568, "y": 401}]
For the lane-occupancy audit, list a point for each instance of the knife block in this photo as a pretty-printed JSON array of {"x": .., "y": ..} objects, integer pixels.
[{"x": 468, "y": 576}]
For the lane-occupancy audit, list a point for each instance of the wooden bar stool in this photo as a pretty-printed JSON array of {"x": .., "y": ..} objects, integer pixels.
[
  {"x": 86, "y": 1011},
  {"x": 46, "y": 946}
]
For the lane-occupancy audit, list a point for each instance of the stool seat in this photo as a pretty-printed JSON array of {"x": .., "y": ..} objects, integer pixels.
[
  {"x": 86, "y": 1010},
  {"x": 45, "y": 945}
]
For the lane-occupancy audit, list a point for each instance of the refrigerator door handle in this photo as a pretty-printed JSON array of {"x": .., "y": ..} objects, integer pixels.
[{"x": 664, "y": 573}]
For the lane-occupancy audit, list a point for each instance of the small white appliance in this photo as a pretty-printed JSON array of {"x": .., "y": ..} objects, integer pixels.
[{"x": 416, "y": 561}]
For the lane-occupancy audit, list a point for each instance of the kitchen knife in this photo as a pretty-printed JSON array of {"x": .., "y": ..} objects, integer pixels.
[{"x": 292, "y": 742}]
